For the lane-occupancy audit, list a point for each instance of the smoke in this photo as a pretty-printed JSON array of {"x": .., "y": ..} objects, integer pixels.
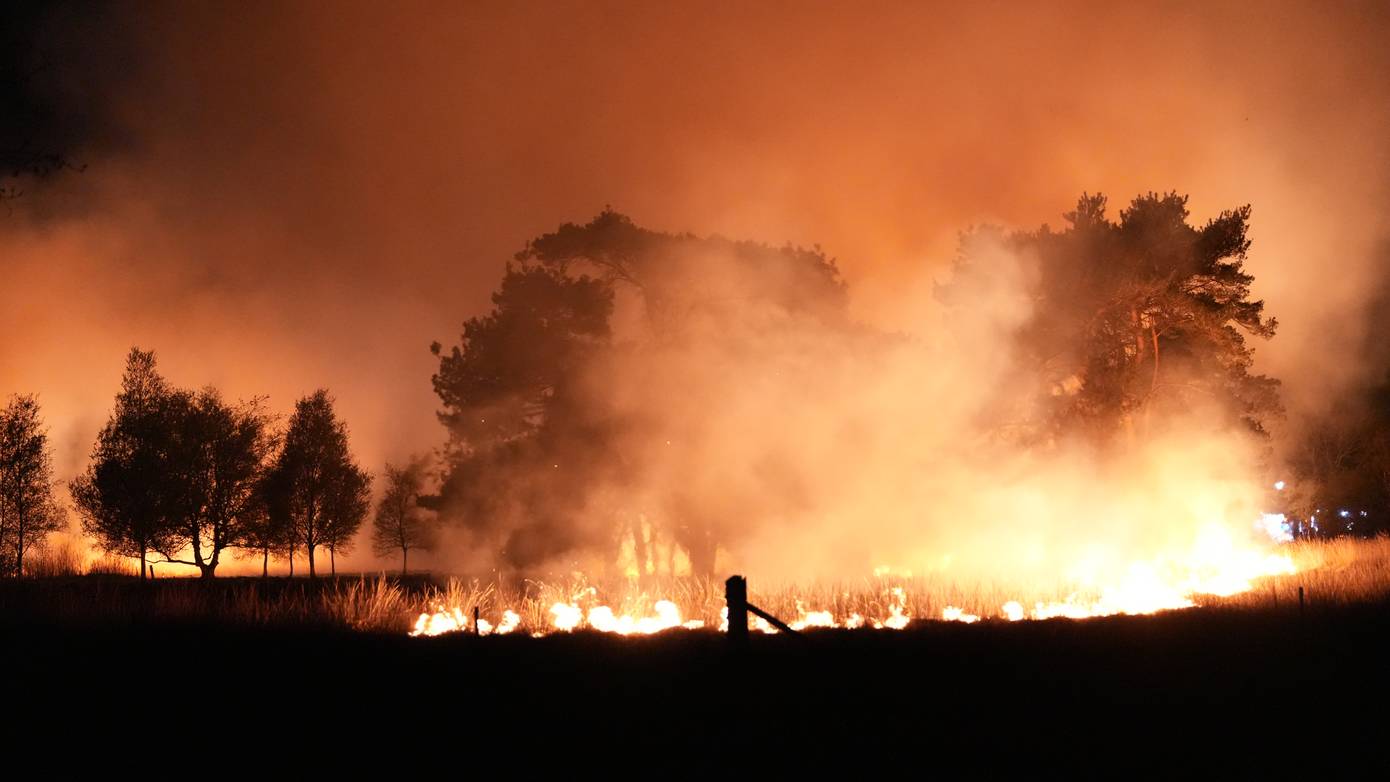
[
  {"x": 284, "y": 198},
  {"x": 811, "y": 446}
]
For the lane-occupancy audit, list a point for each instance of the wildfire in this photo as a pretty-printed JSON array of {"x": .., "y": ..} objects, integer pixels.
[
  {"x": 569, "y": 616},
  {"x": 445, "y": 621},
  {"x": 1217, "y": 564}
]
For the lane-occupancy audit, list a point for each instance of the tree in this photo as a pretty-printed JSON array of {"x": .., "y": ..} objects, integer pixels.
[
  {"x": 28, "y": 509},
  {"x": 263, "y": 532},
  {"x": 517, "y": 361},
  {"x": 348, "y": 500},
  {"x": 1132, "y": 319},
  {"x": 532, "y": 439},
  {"x": 315, "y": 486},
  {"x": 1339, "y": 467},
  {"x": 220, "y": 453},
  {"x": 400, "y": 523},
  {"x": 122, "y": 497}
]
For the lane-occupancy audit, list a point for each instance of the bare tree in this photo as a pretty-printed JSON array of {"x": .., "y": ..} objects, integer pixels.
[{"x": 400, "y": 523}]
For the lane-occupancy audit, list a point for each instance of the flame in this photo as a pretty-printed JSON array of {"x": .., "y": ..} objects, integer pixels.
[
  {"x": 1216, "y": 564},
  {"x": 953, "y": 614},
  {"x": 569, "y": 617},
  {"x": 453, "y": 621}
]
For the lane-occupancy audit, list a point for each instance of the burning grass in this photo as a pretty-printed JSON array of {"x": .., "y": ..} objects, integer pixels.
[{"x": 1336, "y": 572}]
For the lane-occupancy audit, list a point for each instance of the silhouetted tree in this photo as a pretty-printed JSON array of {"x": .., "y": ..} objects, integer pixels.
[
  {"x": 508, "y": 394},
  {"x": 529, "y": 441},
  {"x": 122, "y": 497},
  {"x": 315, "y": 486},
  {"x": 262, "y": 532},
  {"x": 349, "y": 498},
  {"x": 1339, "y": 468},
  {"x": 220, "y": 455},
  {"x": 516, "y": 361},
  {"x": 28, "y": 509},
  {"x": 1131, "y": 318},
  {"x": 400, "y": 523}
]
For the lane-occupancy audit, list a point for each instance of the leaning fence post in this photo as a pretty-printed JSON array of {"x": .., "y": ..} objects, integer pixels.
[
  {"x": 736, "y": 598},
  {"x": 476, "y": 629}
]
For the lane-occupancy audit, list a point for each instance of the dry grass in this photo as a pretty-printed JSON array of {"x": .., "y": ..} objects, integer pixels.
[
  {"x": 1333, "y": 572},
  {"x": 112, "y": 565},
  {"x": 377, "y": 604},
  {"x": 54, "y": 560}
]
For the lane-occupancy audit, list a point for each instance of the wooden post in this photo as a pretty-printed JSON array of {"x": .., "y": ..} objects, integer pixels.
[
  {"x": 736, "y": 598},
  {"x": 476, "y": 630},
  {"x": 1300, "y": 601}
]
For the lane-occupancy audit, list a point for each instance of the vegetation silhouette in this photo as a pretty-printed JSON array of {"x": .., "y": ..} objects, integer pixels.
[
  {"x": 401, "y": 524},
  {"x": 29, "y": 510}
]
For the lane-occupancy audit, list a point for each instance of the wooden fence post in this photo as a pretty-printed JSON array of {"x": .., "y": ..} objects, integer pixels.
[
  {"x": 736, "y": 598},
  {"x": 476, "y": 630}
]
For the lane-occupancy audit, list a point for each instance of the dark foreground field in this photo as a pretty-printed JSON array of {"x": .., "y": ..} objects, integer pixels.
[{"x": 1183, "y": 693}]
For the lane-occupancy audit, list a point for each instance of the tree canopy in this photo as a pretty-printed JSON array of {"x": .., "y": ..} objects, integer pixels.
[
  {"x": 530, "y": 437},
  {"x": 315, "y": 487},
  {"x": 400, "y": 523},
  {"x": 175, "y": 472},
  {"x": 221, "y": 454},
  {"x": 29, "y": 511},
  {"x": 1131, "y": 324},
  {"x": 1132, "y": 319},
  {"x": 123, "y": 498}
]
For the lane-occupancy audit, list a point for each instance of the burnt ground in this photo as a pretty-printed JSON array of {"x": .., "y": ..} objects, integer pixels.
[{"x": 1188, "y": 693}]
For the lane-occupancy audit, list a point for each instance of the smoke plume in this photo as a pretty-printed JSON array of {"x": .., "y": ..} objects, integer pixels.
[{"x": 287, "y": 197}]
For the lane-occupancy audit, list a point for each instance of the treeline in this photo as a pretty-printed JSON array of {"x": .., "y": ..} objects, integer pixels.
[
  {"x": 186, "y": 477},
  {"x": 1339, "y": 469},
  {"x": 1134, "y": 321}
]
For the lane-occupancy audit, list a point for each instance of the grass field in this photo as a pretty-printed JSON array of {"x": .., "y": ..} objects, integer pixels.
[
  {"x": 324, "y": 677},
  {"x": 1335, "y": 572}
]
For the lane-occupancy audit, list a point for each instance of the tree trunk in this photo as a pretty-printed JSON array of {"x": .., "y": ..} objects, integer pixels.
[
  {"x": 403, "y": 556},
  {"x": 333, "y": 561},
  {"x": 265, "y": 562},
  {"x": 142, "y": 563},
  {"x": 291, "y": 563},
  {"x": 1154, "y": 384},
  {"x": 19, "y": 549},
  {"x": 312, "y": 574}
]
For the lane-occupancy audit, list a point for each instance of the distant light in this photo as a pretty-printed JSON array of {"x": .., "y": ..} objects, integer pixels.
[
  {"x": 1278, "y": 485},
  {"x": 1344, "y": 513},
  {"x": 1276, "y": 526}
]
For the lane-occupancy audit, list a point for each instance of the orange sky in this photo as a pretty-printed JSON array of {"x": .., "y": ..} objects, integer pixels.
[{"x": 284, "y": 198}]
